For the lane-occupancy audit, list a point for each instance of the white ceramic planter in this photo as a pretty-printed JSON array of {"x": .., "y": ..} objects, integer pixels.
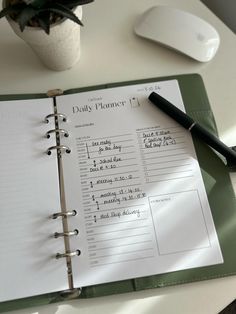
[{"x": 60, "y": 50}]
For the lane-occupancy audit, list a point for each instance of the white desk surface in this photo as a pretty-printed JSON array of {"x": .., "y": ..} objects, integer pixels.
[{"x": 112, "y": 53}]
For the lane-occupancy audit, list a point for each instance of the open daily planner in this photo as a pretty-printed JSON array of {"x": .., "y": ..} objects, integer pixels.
[{"x": 98, "y": 187}]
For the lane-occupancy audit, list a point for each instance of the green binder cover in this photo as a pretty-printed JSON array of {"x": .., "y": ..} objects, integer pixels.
[{"x": 220, "y": 195}]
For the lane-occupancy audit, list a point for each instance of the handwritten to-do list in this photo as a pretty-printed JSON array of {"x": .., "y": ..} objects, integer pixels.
[
  {"x": 112, "y": 194},
  {"x": 134, "y": 180}
]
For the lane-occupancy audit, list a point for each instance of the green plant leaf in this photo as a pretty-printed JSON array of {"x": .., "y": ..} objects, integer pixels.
[
  {"x": 38, "y": 4},
  {"x": 25, "y": 16},
  {"x": 41, "y": 13},
  {"x": 12, "y": 9},
  {"x": 75, "y": 3},
  {"x": 64, "y": 12},
  {"x": 44, "y": 21},
  {"x": 6, "y": 11}
]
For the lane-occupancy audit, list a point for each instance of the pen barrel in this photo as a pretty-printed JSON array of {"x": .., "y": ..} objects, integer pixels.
[
  {"x": 214, "y": 142},
  {"x": 196, "y": 129},
  {"x": 172, "y": 111}
]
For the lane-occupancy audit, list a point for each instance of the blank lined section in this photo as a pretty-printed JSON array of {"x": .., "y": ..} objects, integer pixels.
[{"x": 29, "y": 194}]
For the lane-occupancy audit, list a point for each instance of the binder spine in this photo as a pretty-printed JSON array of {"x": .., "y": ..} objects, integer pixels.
[
  {"x": 61, "y": 148},
  {"x": 64, "y": 214}
]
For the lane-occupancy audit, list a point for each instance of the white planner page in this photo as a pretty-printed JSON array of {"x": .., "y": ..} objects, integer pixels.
[
  {"x": 29, "y": 195},
  {"x": 135, "y": 182}
]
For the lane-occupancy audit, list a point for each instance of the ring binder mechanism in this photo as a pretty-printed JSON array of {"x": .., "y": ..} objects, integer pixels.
[
  {"x": 64, "y": 214},
  {"x": 55, "y": 115},
  {"x": 66, "y": 234},
  {"x": 57, "y": 131},
  {"x": 68, "y": 254},
  {"x": 60, "y": 148}
]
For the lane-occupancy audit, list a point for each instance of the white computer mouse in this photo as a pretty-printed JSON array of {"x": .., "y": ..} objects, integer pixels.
[{"x": 179, "y": 30}]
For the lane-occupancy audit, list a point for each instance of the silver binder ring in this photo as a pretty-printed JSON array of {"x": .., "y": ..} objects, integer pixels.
[
  {"x": 60, "y": 148},
  {"x": 55, "y": 115},
  {"x": 64, "y": 214},
  {"x": 66, "y": 234},
  {"x": 68, "y": 254},
  {"x": 57, "y": 131}
]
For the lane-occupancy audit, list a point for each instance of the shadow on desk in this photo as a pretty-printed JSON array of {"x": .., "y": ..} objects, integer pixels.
[{"x": 18, "y": 54}]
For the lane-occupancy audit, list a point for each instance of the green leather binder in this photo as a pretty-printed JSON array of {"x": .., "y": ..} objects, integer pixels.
[{"x": 220, "y": 195}]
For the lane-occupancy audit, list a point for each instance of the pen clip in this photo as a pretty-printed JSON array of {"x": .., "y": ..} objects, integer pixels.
[{"x": 231, "y": 165}]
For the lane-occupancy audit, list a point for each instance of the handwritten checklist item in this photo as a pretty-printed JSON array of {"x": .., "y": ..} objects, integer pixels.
[{"x": 111, "y": 185}]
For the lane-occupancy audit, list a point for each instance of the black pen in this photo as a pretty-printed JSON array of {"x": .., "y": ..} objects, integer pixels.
[{"x": 195, "y": 128}]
